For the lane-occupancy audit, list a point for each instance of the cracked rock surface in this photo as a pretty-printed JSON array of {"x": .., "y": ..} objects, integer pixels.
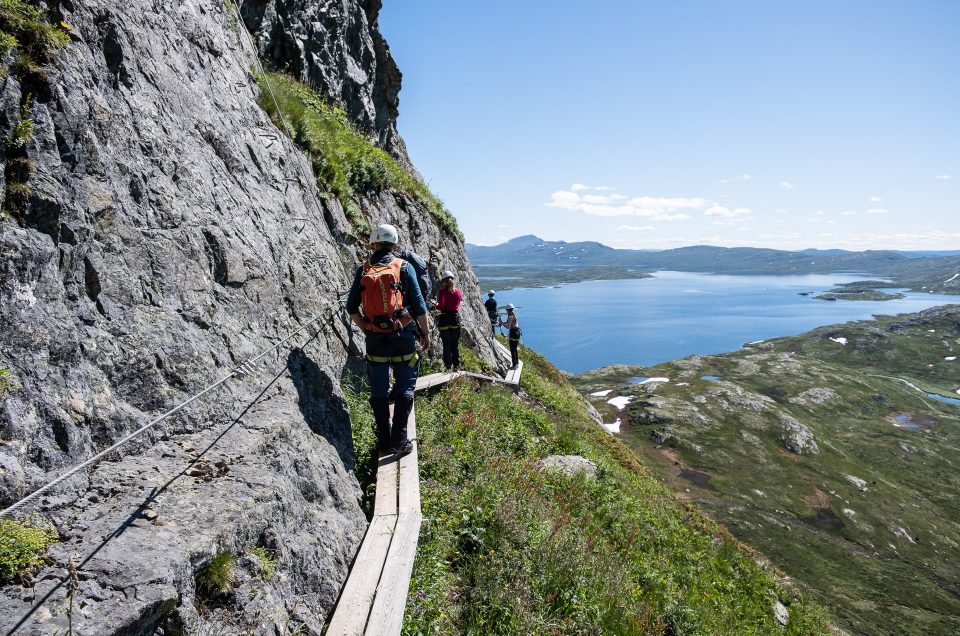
[{"x": 169, "y": 237}]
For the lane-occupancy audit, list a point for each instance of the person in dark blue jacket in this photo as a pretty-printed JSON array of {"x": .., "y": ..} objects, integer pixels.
[{"x": 396, "y": 350}]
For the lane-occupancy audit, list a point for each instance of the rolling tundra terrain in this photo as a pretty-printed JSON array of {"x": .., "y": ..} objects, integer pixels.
[{"x": 834, "y": 453}]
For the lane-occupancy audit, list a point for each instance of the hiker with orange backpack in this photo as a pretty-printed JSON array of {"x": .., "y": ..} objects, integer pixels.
[{"x": 386, "y": 304}]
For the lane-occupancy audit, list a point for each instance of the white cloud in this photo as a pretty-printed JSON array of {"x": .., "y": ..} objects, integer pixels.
[
  {"x": 848, "y": 213},
  {"x": 598, "y": 199},
  {"x": 876, "y": 211},
  {"x": 654, "y": 208},
  {"x": 876, "y": 200},
  {"x": 577, "y": 187},
  {"x": 635, "y": 228},
  {"x": 786, "y": 185},
  {"x": 719, "y": 210},
  {"x": 943, "y": 177},
  {"x": 740, "y": 178}
]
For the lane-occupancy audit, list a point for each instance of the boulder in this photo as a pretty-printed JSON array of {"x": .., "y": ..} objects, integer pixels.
[
  {"x": 570, "y": 465},
  {"x": 796, "y": 437}
]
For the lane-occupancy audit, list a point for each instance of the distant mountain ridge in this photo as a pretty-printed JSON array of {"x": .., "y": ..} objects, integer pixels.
[{"x": 922, "y": 270}]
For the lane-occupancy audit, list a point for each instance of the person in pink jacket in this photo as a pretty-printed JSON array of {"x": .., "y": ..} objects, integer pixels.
[{"x": 448, "y": 323}]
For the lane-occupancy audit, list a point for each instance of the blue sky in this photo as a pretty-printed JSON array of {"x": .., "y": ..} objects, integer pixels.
[{"x": 659, "y": 124}]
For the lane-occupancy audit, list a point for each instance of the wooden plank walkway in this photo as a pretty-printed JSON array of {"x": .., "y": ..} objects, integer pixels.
[{"x": 374, "y": 597}]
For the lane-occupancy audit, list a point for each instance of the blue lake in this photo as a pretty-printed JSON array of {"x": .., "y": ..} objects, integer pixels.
[{"x": 592, "y": 324}]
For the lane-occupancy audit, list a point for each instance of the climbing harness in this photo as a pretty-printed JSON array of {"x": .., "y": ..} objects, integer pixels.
[{"x": 411, "y": 359}]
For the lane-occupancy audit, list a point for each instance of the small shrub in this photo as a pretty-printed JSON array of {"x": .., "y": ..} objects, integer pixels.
[
  {"x": 22, "y": 132},
  {"x": 23, "y": 546},
  {"x": 267, "y": 560},
  {"x": 24, "y": 26},
  {"x": 7, "y": 383},
  {"x": 217, "y": 577}
]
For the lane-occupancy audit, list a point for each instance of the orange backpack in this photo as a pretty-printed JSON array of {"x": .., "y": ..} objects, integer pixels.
[{"x": 381, "y": 299}]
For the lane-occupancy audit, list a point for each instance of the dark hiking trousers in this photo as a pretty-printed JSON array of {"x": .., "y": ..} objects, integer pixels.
[
  {"x": 514, "y": 345},
  {"x": 448, "y": 324}
]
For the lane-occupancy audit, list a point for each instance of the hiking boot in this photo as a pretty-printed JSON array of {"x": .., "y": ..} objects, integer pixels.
[
  {"x": 381, "y": 415},
  {"x": 401, "y": 414},
  {"x": 404, "y": 449}
]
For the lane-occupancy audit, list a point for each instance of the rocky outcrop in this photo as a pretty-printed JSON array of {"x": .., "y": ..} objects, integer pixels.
[
  {"x": 336, "y": 46},
  {"x": 817, "y": 396},
  {"x": 796, "y": 436},
  {"x": 569, "y": 465},
  {"x": 170, "y": 235}
]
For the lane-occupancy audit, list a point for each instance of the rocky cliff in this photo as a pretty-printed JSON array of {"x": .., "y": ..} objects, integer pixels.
[{"x": 168, "y": 233}]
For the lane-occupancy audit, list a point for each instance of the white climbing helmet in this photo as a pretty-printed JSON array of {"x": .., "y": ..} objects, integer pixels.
[
  {"x": 508, "y": 307},
  {"x": 445, "y": 274},
  {"x": 490, "y": 293},
  {"x": 385, "y": 233}
]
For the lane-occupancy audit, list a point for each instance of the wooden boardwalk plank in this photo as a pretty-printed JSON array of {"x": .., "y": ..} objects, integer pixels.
[
  {"x": 385, "y": 501},
  {"x": 513, "y": 375},
  {"x": 386, "y": 616},
  {"x": 356, "y": 600},
  {"x": 409, "y": 491},
  {"x": 427, "y": 381}
]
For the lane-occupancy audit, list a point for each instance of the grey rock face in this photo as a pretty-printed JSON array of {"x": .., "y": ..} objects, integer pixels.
[
  {"x": 169, "y": 237},
  {"x": 336, "y": 46}
]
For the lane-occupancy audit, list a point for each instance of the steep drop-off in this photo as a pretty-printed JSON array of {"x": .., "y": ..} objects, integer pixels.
[{"x": 169, "y": 234}]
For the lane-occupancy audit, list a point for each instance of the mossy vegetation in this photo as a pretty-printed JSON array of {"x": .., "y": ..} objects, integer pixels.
[
  {"x": 508, "y": 548},
  {"x": 26, "y": 32},
  {"x": 24, "y": 28},
  {"x": 218, "y": 576},
  {"x": 347, "y": 164},
  {"x": 23, "y": 547}
]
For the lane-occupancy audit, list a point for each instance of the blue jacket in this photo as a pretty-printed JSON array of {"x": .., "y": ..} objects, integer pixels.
[{"x": 412, "y": 298}]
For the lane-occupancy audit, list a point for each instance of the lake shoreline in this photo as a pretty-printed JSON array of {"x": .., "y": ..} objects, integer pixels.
[{"x": 672, "y": 315}]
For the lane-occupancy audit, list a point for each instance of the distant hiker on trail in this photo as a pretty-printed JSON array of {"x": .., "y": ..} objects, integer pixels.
[
  {"x": 448, "y": 323},
  {"x": 394, "y": 316},
  {"x": 491, "y": 306},
  {"x": 513, "y": 325}
]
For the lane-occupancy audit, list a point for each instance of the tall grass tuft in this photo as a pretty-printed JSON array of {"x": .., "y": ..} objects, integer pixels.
[{"x": 217, "y": 578}]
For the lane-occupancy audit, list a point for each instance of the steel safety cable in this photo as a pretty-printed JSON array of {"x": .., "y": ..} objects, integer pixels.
[{"x": 246, "y": 368}]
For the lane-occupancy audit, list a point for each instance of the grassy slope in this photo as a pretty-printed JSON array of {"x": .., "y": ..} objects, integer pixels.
[
  {"x": 507, "y": 548},
  {"x": 347, "y": 164},
  {"x": 845, "y": 543}
]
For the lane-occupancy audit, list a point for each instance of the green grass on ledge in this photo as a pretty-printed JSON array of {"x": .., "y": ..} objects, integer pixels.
[
  {"x": 346, "y": 163},
  {"x": 507, "y": 548}
]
